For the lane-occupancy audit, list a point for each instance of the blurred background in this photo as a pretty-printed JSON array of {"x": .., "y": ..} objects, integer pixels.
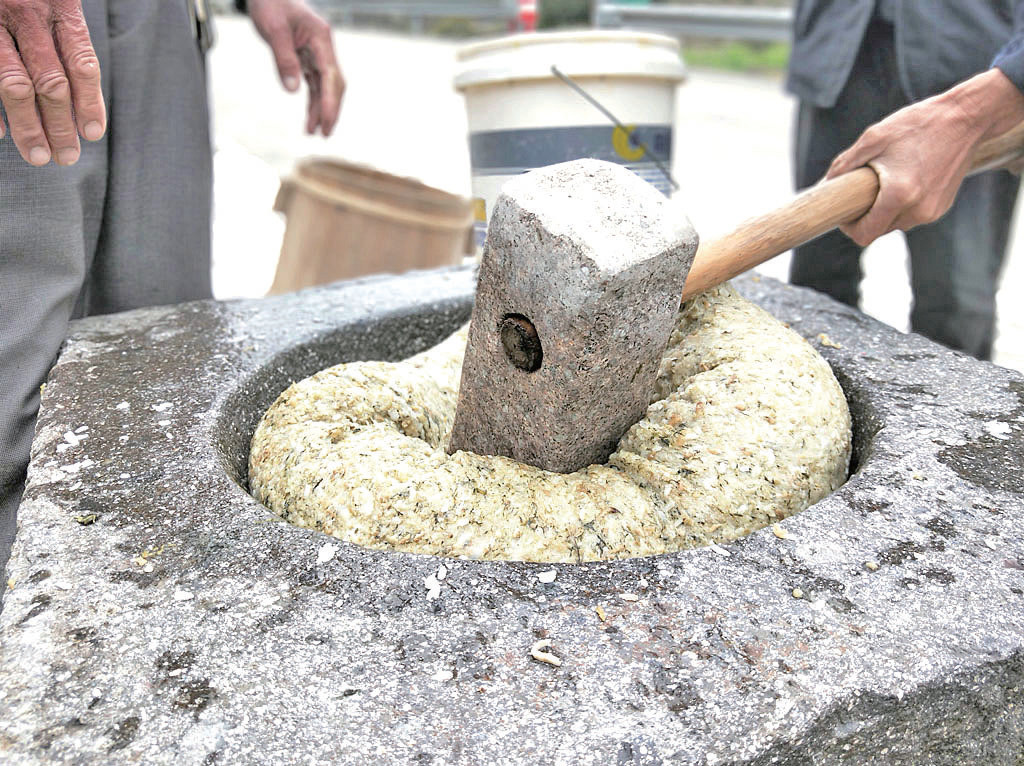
[{"x": 402, "y": 115}]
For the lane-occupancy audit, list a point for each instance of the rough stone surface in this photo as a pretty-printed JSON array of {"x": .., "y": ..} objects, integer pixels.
[
  {"x": 239, "y": 639},
  {"x": 595, "y": 258}
]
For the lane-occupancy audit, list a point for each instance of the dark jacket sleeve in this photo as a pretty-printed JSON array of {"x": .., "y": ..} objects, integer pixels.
[
  {"x": 826, "y": 37},
  {"x": 937, "y": 43},
  {"x": 1010, "y": 60}
]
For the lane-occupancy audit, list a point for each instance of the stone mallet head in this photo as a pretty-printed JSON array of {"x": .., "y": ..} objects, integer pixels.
[
  {"x": 581, "y": 277},
  {"x": 578, "y": 291}
]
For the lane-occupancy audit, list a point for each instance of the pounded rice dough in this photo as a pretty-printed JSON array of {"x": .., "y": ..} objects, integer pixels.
[{"x": 747, "y": 426}]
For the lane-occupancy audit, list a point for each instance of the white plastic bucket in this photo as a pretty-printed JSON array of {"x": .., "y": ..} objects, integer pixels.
[{"x": 522, "y": 116}]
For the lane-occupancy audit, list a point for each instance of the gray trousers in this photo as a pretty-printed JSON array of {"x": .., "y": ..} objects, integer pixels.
[
  {"x": 955, "y": 263},
  {"x": 127, "y": 226}
]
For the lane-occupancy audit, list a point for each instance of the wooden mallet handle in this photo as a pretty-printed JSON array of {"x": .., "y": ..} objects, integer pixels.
[{"x": 812, "y": 213}]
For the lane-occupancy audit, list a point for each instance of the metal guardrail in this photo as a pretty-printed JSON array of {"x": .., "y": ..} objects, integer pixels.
[
  {"x": 717, "y": 21},
  {"x": 417, "y": 12}
]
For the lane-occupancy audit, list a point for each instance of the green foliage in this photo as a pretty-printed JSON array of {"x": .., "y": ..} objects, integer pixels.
[
  {"x": 737, "y": 56},
  {"x": 452, "y": 27},
  {"x": 769, "y": 3},
  {"x": 563, "y": 13}
]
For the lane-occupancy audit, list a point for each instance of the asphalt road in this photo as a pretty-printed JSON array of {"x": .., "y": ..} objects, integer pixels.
[{"x": 401, "y": 115}]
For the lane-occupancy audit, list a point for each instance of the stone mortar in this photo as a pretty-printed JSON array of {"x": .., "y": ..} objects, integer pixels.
[{"x": 160, "y": 615}]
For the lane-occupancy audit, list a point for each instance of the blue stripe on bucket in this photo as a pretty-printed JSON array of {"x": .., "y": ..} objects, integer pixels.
[{"x": 506, "y": 152}]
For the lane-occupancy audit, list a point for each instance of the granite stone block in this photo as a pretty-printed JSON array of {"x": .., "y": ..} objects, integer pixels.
[{"x": 157, "y": 614}]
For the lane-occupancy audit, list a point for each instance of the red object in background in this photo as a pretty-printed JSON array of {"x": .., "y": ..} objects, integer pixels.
[{"x": 528, "y": 15}]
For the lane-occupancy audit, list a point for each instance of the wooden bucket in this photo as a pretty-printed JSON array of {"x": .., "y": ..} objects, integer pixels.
[{"x": 345, "y": 220}]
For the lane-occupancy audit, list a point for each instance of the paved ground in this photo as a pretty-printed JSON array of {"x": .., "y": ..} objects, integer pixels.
[{"x": 402, "y": 115}]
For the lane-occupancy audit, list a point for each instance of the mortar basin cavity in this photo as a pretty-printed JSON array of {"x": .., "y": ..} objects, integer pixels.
[
  {"x": 157, "y": 612},
  {"x": 750, "y": 427}
]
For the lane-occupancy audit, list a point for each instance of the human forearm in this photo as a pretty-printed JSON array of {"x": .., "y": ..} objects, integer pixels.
[
  {"x": 302, "y": 45},
  {"x": 987, "y": 105},
  {"x": 49, "y": 80},
  {"x": 922, "y": 152}
]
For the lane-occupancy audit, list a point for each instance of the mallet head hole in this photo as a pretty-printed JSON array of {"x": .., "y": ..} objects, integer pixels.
[{"x": 521, "y": 343}]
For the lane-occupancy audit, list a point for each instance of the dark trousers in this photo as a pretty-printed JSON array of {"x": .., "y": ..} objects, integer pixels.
[{"x": 955, "y": 262}]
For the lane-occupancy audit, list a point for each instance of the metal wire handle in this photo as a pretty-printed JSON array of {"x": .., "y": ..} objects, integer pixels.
[{"x": 605, "y": 111}]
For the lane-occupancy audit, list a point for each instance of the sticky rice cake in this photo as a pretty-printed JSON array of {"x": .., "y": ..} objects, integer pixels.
[{"x": 747, "y": 426}]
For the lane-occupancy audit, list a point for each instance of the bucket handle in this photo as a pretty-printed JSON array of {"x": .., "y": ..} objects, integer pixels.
[{"x": 615, "y": 120}]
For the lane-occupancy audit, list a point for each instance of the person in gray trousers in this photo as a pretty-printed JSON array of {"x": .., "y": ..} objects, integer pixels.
[
  {"x": 120, "y": 220},
  {"x": 856, "y": 61}
]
